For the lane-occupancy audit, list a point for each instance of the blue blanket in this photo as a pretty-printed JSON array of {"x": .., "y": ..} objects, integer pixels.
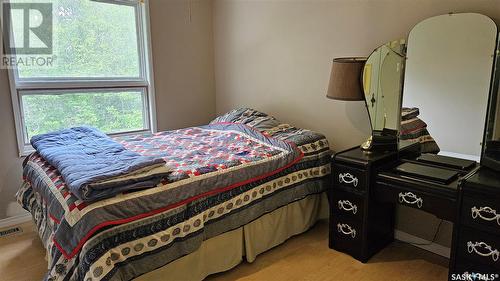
[{"x": 94, "y": 166}]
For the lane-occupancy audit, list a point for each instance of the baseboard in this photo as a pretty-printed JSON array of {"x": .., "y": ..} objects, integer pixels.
[
  {"x": 15, "y": 220},
  {"x": 432, "y": 247}
]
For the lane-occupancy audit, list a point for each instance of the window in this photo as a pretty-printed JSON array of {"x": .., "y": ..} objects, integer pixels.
[{"x": 97, "y": 72}]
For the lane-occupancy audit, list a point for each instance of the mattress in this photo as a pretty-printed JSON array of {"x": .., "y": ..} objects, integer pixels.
[{"x": 134, "y": 233}]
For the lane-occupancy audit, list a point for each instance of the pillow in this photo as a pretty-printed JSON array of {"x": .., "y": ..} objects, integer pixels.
[
  {"x": 250, "y": 117},
  {"x": 270, "y": 126}
]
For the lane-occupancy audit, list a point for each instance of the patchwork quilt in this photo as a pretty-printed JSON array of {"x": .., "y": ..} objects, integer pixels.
[{"x": 226, "y": 174}]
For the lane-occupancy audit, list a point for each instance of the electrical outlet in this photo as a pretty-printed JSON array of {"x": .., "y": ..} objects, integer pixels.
[{"x": 10, "y": 231}]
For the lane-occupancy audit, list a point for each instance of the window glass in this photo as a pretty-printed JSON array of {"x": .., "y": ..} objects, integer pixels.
[
  {"x": 110, "y": 111},
  {"x": 90, "y": 40}
]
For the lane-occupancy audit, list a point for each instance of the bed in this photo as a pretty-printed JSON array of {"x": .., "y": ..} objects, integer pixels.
[{"x": 213, "y": 210}]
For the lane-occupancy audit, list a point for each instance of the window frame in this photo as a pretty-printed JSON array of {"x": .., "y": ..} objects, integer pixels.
[{"x": 145, "y": 81}]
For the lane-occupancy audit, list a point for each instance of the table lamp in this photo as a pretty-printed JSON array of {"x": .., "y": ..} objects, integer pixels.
[
  {"x": 346, "y": 83},
  {"x": 346, "y": 79}
]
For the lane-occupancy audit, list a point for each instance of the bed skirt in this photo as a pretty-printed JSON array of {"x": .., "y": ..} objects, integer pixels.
[{"x": 227, "y": 250}]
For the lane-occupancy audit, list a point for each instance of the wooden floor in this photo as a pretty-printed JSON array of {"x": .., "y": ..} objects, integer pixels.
[{"x": 302, "y": 258}]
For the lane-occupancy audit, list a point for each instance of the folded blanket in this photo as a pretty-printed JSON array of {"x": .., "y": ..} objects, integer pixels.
[
  {"x": 415, "y": 129},
  {"x": 94, "y": 166},
  {"x": 409, "y": 113}
]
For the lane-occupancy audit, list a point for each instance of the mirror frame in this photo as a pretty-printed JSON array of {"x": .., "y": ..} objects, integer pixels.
[{"x": 493, "y": 100}]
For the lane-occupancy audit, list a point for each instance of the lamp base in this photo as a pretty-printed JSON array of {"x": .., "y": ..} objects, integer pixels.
[
  {"x": 367, "y": 145},
  {"x": 379, "y": 141}
]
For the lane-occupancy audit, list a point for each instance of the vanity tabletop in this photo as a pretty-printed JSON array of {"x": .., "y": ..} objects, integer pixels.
[
  {"x": 363, "y": 157},
  {"x": 484, "y": 179}
]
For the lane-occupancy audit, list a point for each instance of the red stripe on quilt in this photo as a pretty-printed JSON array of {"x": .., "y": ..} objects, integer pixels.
[{"x": 54, "y": 219}]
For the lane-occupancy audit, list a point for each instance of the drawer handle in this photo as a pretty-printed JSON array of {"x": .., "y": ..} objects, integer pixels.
[
  {"x": 350, "y": 231},
  {"x": 410, "y": 198},
  {"x": 471, "y": 247},
  {"x": 347, "y": 206},
  {"x": 348, "y": 178},
  {"x": 491, "y": 214}
]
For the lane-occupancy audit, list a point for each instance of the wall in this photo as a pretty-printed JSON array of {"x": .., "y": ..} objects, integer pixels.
[
  {"x": 276, "y": 56},
  {"x": 10, "y": 163},
  {"x": 184, "y": 82},
  {"x": 183, "y": 62}
]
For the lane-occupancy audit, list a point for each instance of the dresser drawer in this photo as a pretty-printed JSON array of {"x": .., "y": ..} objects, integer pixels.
[
  {"x": 351, "y": 179},
  {"x": 345, "y": 204},
  {"x": 479, "y": 247},
  {"x": 480, "y": 211},
  {"x": 442, "y": 207},
  {"x": 345, "y": 236}
]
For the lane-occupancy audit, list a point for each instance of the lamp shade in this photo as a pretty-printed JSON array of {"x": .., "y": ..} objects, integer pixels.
[{"x": 345, "y": 79}]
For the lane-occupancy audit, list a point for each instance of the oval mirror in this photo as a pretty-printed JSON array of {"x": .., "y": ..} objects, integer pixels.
[{"x": 448, "y": 74}]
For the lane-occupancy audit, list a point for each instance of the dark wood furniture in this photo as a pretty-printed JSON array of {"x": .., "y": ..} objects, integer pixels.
[
  {"x": 477, "y": 230},
  {"x": 367, "y": 185},
  {"x": 359, "y": 225}
]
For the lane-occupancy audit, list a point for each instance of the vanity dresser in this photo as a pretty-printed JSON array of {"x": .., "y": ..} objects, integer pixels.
[
  {"x": 452, "y": 74},
  {"x": 366, "y": 187}
]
